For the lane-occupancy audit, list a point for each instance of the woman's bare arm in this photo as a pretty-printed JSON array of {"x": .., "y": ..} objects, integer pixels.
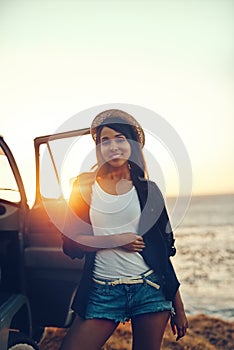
[{"x": 129, "y": 241}]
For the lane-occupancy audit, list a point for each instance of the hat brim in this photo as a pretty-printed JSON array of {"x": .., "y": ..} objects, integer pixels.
[{"x": 117, "y": 113}]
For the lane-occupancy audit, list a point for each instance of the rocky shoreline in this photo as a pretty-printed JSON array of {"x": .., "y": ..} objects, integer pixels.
[{"x": 204, "y": 333}]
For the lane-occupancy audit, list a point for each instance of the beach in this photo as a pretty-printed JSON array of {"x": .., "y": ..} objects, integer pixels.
[
  {"x": 205, "y": 256},
  {"x": 204, "y": 333}
]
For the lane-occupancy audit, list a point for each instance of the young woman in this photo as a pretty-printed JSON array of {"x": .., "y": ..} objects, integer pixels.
[{"x": 128, "y": 273}]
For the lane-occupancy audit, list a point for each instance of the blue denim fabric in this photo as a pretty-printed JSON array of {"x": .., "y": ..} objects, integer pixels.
[{"x": 125, "y": 301}]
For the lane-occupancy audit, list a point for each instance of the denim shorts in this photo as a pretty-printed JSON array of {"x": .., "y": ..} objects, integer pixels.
[{"x": 123, "y": 302}]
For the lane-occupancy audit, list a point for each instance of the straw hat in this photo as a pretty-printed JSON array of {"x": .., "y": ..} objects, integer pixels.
[{"x": 117, "y": 113}]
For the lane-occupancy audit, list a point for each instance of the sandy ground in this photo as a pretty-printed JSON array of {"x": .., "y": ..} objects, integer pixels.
[{"x": 204, "y": 333}]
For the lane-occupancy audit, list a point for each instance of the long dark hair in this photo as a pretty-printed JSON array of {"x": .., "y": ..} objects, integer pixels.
[{"x": 136, "y": 161}]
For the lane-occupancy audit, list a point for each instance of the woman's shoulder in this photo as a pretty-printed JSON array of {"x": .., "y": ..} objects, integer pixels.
[
  {"x": 152, "y": 185},
  {"x": 84, "y": 180},
  {"x": 87, "y": 177},
  {"x": 154, "y": 190},
  {"x": 82, "y": 186}
]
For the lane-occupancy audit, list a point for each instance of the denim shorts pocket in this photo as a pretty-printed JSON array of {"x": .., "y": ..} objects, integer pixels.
[{"x": 100, "y": 289}]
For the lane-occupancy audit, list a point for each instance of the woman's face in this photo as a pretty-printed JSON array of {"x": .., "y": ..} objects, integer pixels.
[{"x": 114, "y": 147}]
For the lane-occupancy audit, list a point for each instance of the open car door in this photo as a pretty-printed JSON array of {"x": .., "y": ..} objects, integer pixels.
[
  {"x": 13, "y": 214},
  {"x": 51, "y": 276}
]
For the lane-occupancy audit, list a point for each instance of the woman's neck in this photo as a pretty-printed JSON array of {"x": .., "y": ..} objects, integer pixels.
[
  {"x": 116, "y": 174},
  {"x": 115, "y": 180}
]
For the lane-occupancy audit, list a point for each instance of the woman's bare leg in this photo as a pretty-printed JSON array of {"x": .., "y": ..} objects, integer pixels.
[
  {"x": 148, "y": 330},
  {"x": 88, "y": 334}
]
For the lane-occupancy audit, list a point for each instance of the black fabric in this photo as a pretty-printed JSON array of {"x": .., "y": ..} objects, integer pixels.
[
  {"x": 155, "y": 228},
  {"x": 71, "y": 249}
]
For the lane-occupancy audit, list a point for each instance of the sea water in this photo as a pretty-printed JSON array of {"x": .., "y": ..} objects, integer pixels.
[{"x": 205, "y": 255}]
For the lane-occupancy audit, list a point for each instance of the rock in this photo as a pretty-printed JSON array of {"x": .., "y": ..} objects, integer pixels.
[{"x": 204, "y": 333}]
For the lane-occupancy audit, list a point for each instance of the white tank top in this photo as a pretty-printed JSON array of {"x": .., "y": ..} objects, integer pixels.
[{"x": 113, "y": 214}]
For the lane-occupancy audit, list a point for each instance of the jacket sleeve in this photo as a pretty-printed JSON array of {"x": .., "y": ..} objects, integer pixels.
[
  {"x": 80, "y": 207},
  {"x": 166, "y": 229},
  {"x": 71, "y": 248},
  {"x": 163, "y": 221}
]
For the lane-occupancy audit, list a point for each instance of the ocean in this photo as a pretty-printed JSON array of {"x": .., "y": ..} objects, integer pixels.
[{"x": 205, "y": 255}]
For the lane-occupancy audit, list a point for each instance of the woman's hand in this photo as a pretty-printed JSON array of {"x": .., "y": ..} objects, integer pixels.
[
  {"x": 136, "y": 246},
  {"x": 179, "y": 324}
]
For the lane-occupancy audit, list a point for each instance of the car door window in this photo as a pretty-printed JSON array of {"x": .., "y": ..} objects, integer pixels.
[
  {"x": 8, "y": 187},
  {"x": 61, "y": 160}
]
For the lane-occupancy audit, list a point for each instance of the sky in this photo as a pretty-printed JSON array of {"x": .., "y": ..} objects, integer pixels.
[{"x": 173, "y": 57}]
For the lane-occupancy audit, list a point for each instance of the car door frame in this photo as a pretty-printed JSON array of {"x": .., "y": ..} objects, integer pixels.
[{"x": 52, "y": 277}]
